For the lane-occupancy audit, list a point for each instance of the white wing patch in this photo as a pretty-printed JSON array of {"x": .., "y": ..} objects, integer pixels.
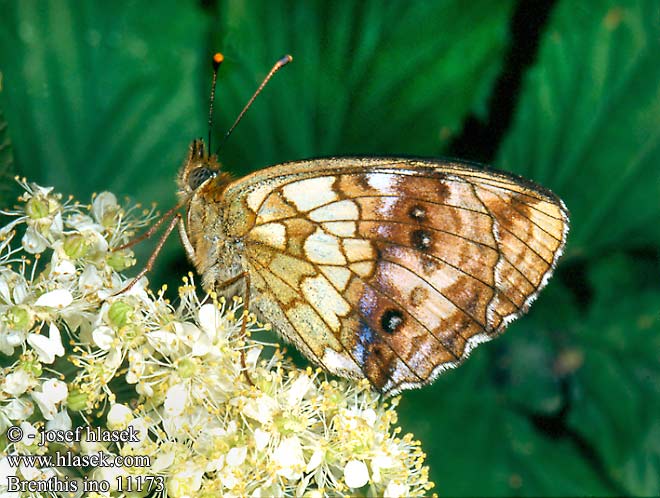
[
  {"x": 257, "y": 196},
  {"x": 364, "y": 268},
  {"x": 342, "y": 210},
  {"x": 341, "y": 364},
  {"x": 323, "y": 248},
  {"x": 341, "y": 228},
  {"x": 338, "y": 276},
  {"x": 273, "y": 234},
  {"x": 325, "y": 300},
  {"x": 385, "y": 183},
  {"x": 308, "y": 194}
]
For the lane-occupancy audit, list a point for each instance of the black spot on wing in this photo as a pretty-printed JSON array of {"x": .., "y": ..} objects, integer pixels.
[{"x": 391, "y": 320}]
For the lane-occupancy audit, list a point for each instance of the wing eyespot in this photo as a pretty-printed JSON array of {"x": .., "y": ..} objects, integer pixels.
[
  {"x": 421, "y": 240},
  {"x": 417, "y": 213},
  {"x": 391, "y": 320}
]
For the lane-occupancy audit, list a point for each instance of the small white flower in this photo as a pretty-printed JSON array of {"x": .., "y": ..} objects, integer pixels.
[
  {"x": 163, "y": 461},
  {"x": 119, "y": 416},
  {"x": 209, "y": 320},
  {"x": 315, "y": 460},
  {"x": 369, "y": 415},
  {"x": 90, "y": 280},
  {"x": 185, "y": 482},
  {"x": 61, "y": 269},
  {"x": 298, "y": 389},
  {"x": 57, "y": 390},
  {"x": 252, "y": 356},
  {"x": 103, "y": 337},
  {"x": 215, "y": 464},
  {"x": 356, "y": 474},
  {"x": 261, "y": 408},
  {"x": 140, "y": 426},
  {"x": 6, "y": 471},
  {"x": 5, "y": 294},
  {"x": 47, "y": 348},
  {"x": 58, "y": 298},
  {"x": 380, "y": 462},
  {"x": 288, "y": 457},
  {"x": 395, "y": 490},
  {"x": 88, "y": 447},
  {"x": 18, "y": 409},
  {"x": 188, "y": 333},
  {"x": 163, "y": 341},
  {"x": 136, "y": 367},
  {"x": 81, "y": 223},
  {"x": 113, "y": 360},
  {"x": 261, "y": 439},
  {"x": 53, "y": 392},
  {"x": 16, "y": 383},
  {"x": 21, "y": 291},
  {"x": 29, "y": 472},
  {"x": 104, "y": 203},
  {"x": 30, "y": 434},
  {"x": 60, "y": 422},
  {"x": 109, "y": 474},
  {"x": 176, "y": 400},
  {"x": 33, "y": 242},
  {"x": 10, "y": 340},
  {"x": 236, "y": 456},
  {"x": 14, "y": 338}
]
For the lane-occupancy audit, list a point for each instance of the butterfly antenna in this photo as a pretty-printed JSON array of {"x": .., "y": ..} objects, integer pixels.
[
  {"x": 217, "y": 60},
  {"x": 278, "y": 65}
]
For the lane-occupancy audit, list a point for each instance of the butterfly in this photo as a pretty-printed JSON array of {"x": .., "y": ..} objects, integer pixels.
[{"x": 390, "y": 269}]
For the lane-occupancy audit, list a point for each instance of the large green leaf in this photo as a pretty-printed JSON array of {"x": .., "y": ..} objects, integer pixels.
[
  {"x": 102, "y": 95},
  {"x": 478, "y": 444},
  {"x": 367, "y": 77},
  {"x": 588, "y": 121},
  {"x": 618, "y": 393},
  {"x": 114, "y": 97}
]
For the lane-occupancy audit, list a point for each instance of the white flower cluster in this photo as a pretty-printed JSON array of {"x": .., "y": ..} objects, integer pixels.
[{"x": 217, "y": 412}]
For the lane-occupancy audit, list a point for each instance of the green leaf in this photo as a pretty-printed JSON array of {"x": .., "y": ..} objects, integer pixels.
[
  {"x": 588, "y": 121},
  {"x": 114, "y": 97},
  {"x": 102, "y": 95},
  {"x": 368, "y": 77},
  {"x": 6, "y": 161},
  {"x": 618, "y": 390},
  {"x": 478, "y": 444}
]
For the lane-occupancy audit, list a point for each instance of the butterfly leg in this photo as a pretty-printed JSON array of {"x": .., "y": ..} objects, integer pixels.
[
  {"x": 154, "y": 255},
  {"x": 246, "y": 312},
  {"x": 152, "y": 229}
]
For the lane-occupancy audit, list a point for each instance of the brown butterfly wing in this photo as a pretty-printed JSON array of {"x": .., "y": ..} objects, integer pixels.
[{"x": 394, "y": 269}]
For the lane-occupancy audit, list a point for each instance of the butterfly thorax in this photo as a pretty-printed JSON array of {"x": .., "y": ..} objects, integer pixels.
[{"x": 211, "y": 248}]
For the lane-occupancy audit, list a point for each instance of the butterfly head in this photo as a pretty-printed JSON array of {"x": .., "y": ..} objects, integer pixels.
[{"x": 199, "y": 169}]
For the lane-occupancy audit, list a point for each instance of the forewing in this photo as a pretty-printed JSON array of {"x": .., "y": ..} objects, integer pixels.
[{"x": 394, "y": 269}]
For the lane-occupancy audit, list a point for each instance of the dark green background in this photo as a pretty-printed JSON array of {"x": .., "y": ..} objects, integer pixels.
[{"x": 107, "y": 95}]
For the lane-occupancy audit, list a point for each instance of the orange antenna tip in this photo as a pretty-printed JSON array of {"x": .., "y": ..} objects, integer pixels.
[
  {"x": 278, "y": 65},
  {"x": 284, "y": 60},
  {"x": 217, "y": 59}
]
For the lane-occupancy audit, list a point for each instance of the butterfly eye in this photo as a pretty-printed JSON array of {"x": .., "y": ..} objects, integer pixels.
[{"x": 199, "y": 176}]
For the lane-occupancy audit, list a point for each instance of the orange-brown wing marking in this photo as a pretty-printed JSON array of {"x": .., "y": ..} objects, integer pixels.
[
  {"x": 395, "y": 269},
  {"x": 345, "y": 362}
]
